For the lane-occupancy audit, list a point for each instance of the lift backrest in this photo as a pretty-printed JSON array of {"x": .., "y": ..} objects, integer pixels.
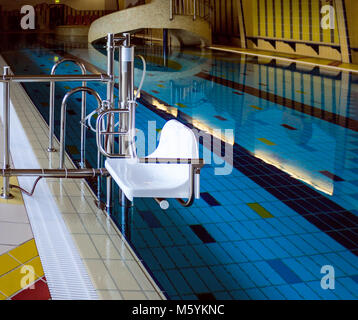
[{"x": 176, "y": 141}]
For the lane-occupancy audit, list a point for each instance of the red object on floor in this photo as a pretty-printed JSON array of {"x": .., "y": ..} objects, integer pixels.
[{"x": 40, "y": 292}]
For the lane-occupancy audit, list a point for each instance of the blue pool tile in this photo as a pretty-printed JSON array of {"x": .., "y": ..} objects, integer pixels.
[
  {"x": 244, "y": 231},
  {"x": 208, "y": 277},
  {"x": 191, "y": 255},
  {"x": 256, "y": 294},
  {"x": 272, "y": 293},
  {"x": 254, "y": 229},
  {"x": 346, "y": 288},
  {"x": 302, "y": 244},
  {"x": 227, "y": 229},
  {"x": 240, "y": 295},
  {"x": 163, "y": 237},
  {"x": 289, "y": 246},
  {"x": 326, "y": 294},
  {"x": 285, "y": 272},
  {"x": 311, "y": 263},
  {"x": 206, "y": 255},
  {"x": 261, "y": 249},
  {"x": 218, "y": 251},
  {"x": 223, "y": 296},
  {"x": 186, "y": 297},
  {"x": 150, "y": 259},
  {"x": 343, "y": 267},
  {"x": 234, "y": 252},
  {"x": 180, "y": 283},
  {"x": 163, "y": 258},
  {"x": 305, "y": 291},
  {"x": 195, "y": 282},
  {"x": 275, "y": 247},
  {"x": 255, "y": 275},
  {"x": 177, "y": 236},
  {"x": 288, "y": 292},
  {"x": 177, "y": 257},
  {"x": 166, "y": 283},
  {"x": 240, "y": 276},
  {"x": 225, "y": 278},
  {"x": 248, "y": 251},
  {"x": 149, "y": 238}
]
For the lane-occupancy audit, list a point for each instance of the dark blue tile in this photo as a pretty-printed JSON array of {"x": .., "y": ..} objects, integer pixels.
[
  {"x": 285, "y": 272},
  {"x": 209, "y": 199},
  {"x": 202, "y": 233},
  {"x": 220, "y": 118},
  {"x": 205, "y": 296},
  {"x": 150, "y": 219},
  {"x": 288, "y": 126},
  {"x": 331, "y": 176}
]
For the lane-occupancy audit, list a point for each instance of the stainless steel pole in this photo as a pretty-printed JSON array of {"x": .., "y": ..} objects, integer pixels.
[
  {"x": 126, "y": 82},
  {"x": 126, "y": 76},
  {"x": 6, "y": 135},
  {"x": 110, "y": 99},
  {"x": 51, "y": 120}
]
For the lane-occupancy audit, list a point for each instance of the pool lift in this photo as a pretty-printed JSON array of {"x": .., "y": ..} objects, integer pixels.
[{"x": 171, "y": 171}]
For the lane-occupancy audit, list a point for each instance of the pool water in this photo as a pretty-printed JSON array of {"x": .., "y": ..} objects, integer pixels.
[{"x": 280, "y": 191}]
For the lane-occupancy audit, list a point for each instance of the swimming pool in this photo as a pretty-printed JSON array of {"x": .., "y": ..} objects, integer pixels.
[{"x": 279, "y": 197}]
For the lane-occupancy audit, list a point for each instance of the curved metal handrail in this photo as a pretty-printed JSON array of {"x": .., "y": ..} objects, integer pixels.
[
  {"x": 63, "y": 117},
  {"x": 52, "y": 106}
]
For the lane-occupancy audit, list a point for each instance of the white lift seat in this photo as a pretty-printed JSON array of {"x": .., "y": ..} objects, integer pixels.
[{"x": 153, "y": 180}]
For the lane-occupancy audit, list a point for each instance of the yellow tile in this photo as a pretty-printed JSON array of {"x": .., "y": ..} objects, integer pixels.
[
  {"x": 268, "y": 142},
  {"x": 15, "y": 192},
  {"x": 2, "y": 297},
  {"x": 12, "y": 282},
  {"x": 25, "y": 252},
  {"x": 256, "y": 107},
  {"x": 260, "y": 210},
  {"x": 181, "y": 105},
  {"x": 7, "y": 263}
]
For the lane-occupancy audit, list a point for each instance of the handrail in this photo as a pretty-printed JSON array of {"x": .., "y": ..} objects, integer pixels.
[
  {"x": 194, "y": 8},
  {"x": 52, "y": 107},
  {"x": 63, "y": 117}
]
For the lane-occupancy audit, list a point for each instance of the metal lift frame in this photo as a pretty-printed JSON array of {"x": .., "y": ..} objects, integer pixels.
[{"x": 106, "y": 111}]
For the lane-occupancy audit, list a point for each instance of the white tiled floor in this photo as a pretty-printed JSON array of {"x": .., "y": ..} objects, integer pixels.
[{"x": 114, "y": 269}]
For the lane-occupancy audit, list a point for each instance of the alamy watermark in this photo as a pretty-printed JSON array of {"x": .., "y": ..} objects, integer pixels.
[
  {"x": 28, "y": 21},
  {"x": 328, "y": 281},
  {"x": 28, "y": 280}
]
